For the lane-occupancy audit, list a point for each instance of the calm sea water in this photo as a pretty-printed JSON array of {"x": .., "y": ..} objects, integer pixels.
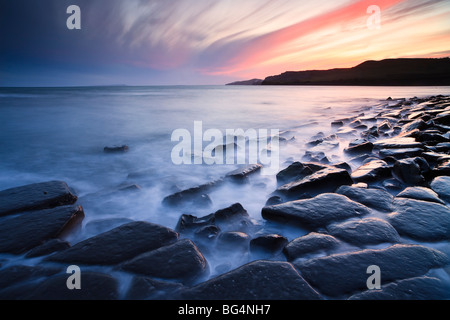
[{"x": 59, "y": 134}]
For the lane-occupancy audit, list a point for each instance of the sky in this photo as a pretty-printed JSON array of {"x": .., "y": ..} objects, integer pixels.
[{"x": 201, "y": 42}]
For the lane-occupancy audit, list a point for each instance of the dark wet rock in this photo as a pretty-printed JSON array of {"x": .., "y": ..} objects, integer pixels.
[
  {"x": 365, "y": 147},
  {"x": 343, "y": 165},
  {"x": 295, "y": 171},
  {"x": 441, "y": 185},
  {"x": 145, "y": 288},
  {"x": 325, "y": 180},
  {"x": 22, "y": 232},
  {"x": 190, "y": 223},
  {"x": 384, "y": 126},
  {"x": 397, "y": 143},
  {"x": 19, "y": 273},
  {"x": 346, "y": 132},
  {"x": 371, "y": 171},
  {"x": 431, "y": 138},
  {"x": 118, "y": 245},
  {"x": 311, "y": 243},
  {"x": 94, "y": 286},
  {"x": 392, "y": 184},
  {"x": 260, "y": 280},
  {"x": 408, "y": 171},
  {"x": 233, "y": 240},
  {"x": 443, "y": 169},
  {"x": 274, "y": 201},
  {"x": 103, "y": 225},
  {"x": 400, "y": 153},
  {"x": 207, "y": 233},
  {"x": 337, "y": 124},
  {"x": 420, "y": 193},
  {"x": 37, "y": 196},
  {"x": 443, "y": 118},
  {"x": 181, "y": 261},
  {"x": 419, "y": 288},
  {"x": 417, "y": 124},
  {"x": 373, "y": 198},
  {"x": 421, "y": 220},
  {"x": 343, "y": 274},
  {"x": 442, "y": 147},
  {"x": 48, "y": 247},
  {"x": 196, "y": 196},
  {"x": 271, "y": 244},
  {"x": 116, "y": 149},
  {"x": 317, "y": 212},
  {"x": 242, "y": 173},
  {"x": 365, "y": 232}
]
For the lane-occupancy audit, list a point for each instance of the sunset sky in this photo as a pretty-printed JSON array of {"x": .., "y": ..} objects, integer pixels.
[{"x": 152, "y": 42}]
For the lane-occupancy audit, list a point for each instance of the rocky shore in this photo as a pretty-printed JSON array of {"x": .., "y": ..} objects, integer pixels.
[{"x": 386, "y": 206}]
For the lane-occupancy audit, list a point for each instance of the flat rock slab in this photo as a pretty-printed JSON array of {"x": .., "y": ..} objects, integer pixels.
[
  {"x": 325, "y": 180},
  {"x": 35, "y": 197},
  {"x": 15, "y": 274},
  {"x": 94, "y": 286},
  {"x": 373, "y": 198},
  {"x": 342, "y": 274},
  {"x": 421, "y": 220},
  {"x": 260, "y": 280},
  {"x": 117, "y": 245},
  {"x": 144, "y": 288},
  {"x": 317, "y": 212},
  {"x": 181, "y": 261},
  {"x": 372, "y": 171},
  {"x": 24, "y": 231},
  {"x": 441, "y": 185},
  {"x": 400, "y": 153},
  {"x": 397, "y": 143},
  {"x": 419, "y": 288},
  {"x": 365, "y": 232},
  {"x": 244, "y": 172},
  {"x": 420, "y": 193},
  {"x": 311, "y": 243}
]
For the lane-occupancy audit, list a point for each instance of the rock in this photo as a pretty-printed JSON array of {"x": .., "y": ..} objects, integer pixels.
[
  {"x": 311, "y": 243},
  {"x": 443, "y": 118},
  {"x": 421, "y": 220},
  {"x": 48, "y": 247},
  {"x": 233, "y": 218},
  {"x": 419, "y": 288},
  {"x": 260, "y": 280},
  {"x": 326, "y": 180},
  {"x": 365, "y": 232},
  {"x": 371, "y": 171},
  {"x": 408, "y": 171},
  {"x": 116, "y": 149},
  {"x": 22, "y": 232},
  {"x": 337, "y": 124},
  {"x": 207, "y": 233},
  {"x": 345, "y": 132},
  {"x": 19, "y": 273},
  {"x": 274, "y": 200},
  {"x": 365, "y": 147},
  {"x": 189, "y": 223},
  {"x": 94, "y": 286},
  {"x": 144, "y": 288},
  {"x": 117, "y": 245},
  {"x": 37, "y": 196},
  {"x": 400, "y": 153},
  {"x": 271, "y": 244},
  {"x": 392, "y": 184},
  {"x": 317, "y": 212},
  {"x": 373, "y": 198},
  {"x": 417, "y": 124},
  {"x": 181, "y": 261},
  {"x": 443, "y": 169},
  {"x": 420, "y": 193},
  {"x": 397, "y": 143},
  {"x": 195, "y": 196},
  {"x": 103, "y": 225},
  {"x": 441, "y": 185},
  {"x": 342, "y": 274},
  {"x": 384, "y": 126},
  {"x": 242, "y": 173},
  {"x": 295, "y": 171},
  {"x": 233, "y": 240}
]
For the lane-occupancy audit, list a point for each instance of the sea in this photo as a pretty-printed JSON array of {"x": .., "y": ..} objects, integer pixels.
[{"x": 60, "y": 134}]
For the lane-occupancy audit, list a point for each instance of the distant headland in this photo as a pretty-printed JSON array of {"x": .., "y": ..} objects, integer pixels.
[{"x": 388, "y": 72}]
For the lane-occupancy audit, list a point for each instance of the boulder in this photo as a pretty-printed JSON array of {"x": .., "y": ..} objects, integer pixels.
[
  {"x": 418, "y": 288},
  {"x": 400, "y": 153},
  {"x": 311, "y": 243},
  {"x": 420, "y": 193},
  {"x": 19, "y": 273},
  {"x": 342, "y": 274},
  {"x": 317, "y": 212},
  {"x": 48, "y": 247},
  {"x": 295, "y": 171},
  {"x": 22, "y": 232},
  {"x": 145, "y": 288},
  {"x": 259, "y": 280},
  {"x": 371, "y": 171},
  {"x": 443, "y": 169},
  {"x": 181, "y": 261},
  {"x": 116, "y": 149},
  {"x": 365, "y": 147},
  {"x": 373, "y": 198},
  {"x": 268, "y": 244},
  {"x": 234, "y": 241},
  {"x": 242, "y": 173},
  {"x": 409, "y": 171},
  {"x": 103, "y": 225},
  {"x": 441, "y": 185},
  {"x": 421, "y": 220},
  {"x": 366, "y": 231},
  {"x": 37, "y": 196},
  {"x": 325, "y": 180},
  {"x": 196, "y": 196},
  {"x": 117, "y": 245},
  {"x": 397, "y": 143}
]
